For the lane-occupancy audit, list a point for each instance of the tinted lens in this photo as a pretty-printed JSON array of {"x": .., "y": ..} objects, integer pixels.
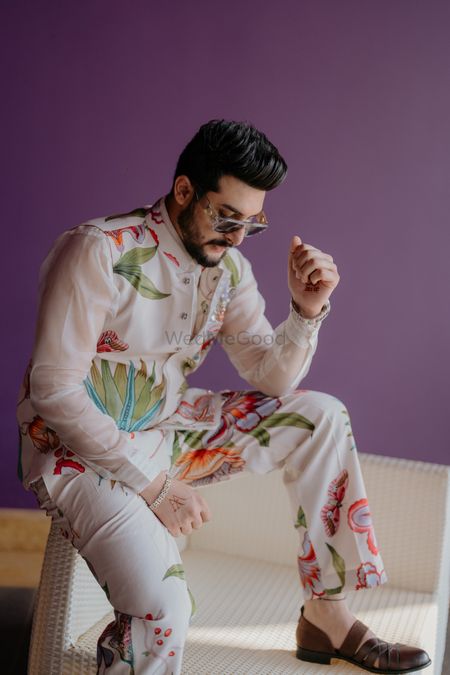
[
  {"x": 227, "y": 227},
  {"x": 255, "y": 229}
]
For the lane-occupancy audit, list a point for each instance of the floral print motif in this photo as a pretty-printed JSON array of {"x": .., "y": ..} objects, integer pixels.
[
  {"x": 128, "y": 396},
  {"x": 208, "y": 465},
  {"x": 243, "y": 410},
  {"x": 202, "y": 410},
  {"x": 309, "y": 569},
  {"x": 154, "y": 235},
  {"x": 360, "y": 520},
  {"x": 368, "y": 576},
  {"x": 109, "y": 341},
  {"x": 116, "y": 635},
  {"x": 136, "y": 231},
  {"x": 65, "y": 465},
  {"x": 172, "y": 258},
  {"x": 43, "y": 437},
  {"x": 253, "y": 412},
  {"x": 129, "y": 266},
  {"x": 25, "y": 388},
  {"x": 156, "y": 216},
  {"x": 330, "y": 513}
]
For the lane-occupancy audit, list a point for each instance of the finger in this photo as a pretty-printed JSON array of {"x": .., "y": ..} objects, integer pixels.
[
  {"x": 186, "y": 529},
  {"x": 325, "y": 275},
  {"x": 295, "y": 241},
  {"x": 206, "y": 514},
  {"x": 174, "y": 531},
  {"x": 308, "y": 268},
  {"x": 303, "y": 255},
  {"x": 196, "y": 524}
]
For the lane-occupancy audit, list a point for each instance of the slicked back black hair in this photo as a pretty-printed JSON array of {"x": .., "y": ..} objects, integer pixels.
[{"x": 226, "y": 148}]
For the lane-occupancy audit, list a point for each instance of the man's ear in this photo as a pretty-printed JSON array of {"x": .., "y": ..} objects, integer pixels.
[{"x": 183, "y": 190}]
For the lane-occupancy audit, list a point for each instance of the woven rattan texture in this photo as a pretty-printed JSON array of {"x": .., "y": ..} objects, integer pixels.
[{"x": 248, "y": 599}]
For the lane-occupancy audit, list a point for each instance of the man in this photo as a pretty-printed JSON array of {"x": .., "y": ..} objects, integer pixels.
[{"x": 114, "y": 441}]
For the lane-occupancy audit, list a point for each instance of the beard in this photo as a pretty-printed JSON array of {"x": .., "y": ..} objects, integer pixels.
[{"x": 192, "y": 239}]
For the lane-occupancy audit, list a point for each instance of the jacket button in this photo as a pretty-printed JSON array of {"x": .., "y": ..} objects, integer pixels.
[
  {"x": 186, "y": 280},
  {"x": 184, "y": 315}
]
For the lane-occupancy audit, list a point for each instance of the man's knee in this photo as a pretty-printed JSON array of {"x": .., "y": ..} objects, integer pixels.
[{"x": 327, "y": 404}]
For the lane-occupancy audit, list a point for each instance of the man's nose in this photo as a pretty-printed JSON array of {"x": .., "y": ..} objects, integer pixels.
[{"x": 235, "y": 238}]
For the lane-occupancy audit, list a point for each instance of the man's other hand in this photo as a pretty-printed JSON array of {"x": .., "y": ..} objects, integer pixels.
[
  {"x": 182, "y": 510},
  {"x": 312, "y": 277}
]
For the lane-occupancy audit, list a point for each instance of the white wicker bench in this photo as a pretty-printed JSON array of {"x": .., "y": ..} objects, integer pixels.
[{"x": 241, "y": 570}]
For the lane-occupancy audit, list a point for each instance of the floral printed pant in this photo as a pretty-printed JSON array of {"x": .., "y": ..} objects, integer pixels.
[{"x": 136, "y": 561}]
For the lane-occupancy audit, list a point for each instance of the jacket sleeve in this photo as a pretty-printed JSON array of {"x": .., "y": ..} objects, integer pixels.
[
  {"x": 273, "y": 361},
  {"x": 76, "y": 295}
]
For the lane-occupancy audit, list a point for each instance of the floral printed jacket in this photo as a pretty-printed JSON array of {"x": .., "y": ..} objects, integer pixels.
[{"x": 115, "y": 341}]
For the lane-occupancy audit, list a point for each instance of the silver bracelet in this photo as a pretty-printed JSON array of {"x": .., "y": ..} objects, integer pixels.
[{"x": 162, "y": 494}]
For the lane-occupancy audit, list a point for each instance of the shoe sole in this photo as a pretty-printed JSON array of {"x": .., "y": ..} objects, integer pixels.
[{"x": 325, "y": 659}]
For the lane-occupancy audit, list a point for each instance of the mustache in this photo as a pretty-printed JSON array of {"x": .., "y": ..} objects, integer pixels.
[{"x": 219, "y": 242}]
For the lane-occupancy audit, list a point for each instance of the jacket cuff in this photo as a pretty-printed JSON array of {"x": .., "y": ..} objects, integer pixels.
[{"x": 302, "y": 331}]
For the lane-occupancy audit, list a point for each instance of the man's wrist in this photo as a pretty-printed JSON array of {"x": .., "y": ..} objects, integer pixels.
[{"x": 309, "y": 315}]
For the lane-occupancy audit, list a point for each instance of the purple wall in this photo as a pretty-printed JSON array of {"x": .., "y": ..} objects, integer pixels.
[{"x": 101, "y": 96}]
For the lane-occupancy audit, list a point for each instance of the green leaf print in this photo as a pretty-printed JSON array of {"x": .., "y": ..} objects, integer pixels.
[
  {"x": 113, "y": 400},
  {"x": 287, "y": 420},
  {"x": 120, "y": 379},
  {"x": 136, "y": 256},
  {"x": 136, "y": 213},
  {"x": 261, "y": 435},
  {"x": 175, "y": 571},
  {"x": 301, "y": 518},
  {"x": 193, "y": 604},
  {"x": 119, "y": 394},
  {"x": 231, "y": 265},
  {"x": 339, "y": 566},
  {"x": 148, "y": 397},
  {"x": 279, "y": 420},
  {"x": 98, "y": 383},
  {"x": 141, "y": 283},
  {"x": 140, "y": 379},
  {"x": 144, "y": 388},
  {"x": 126, "y": 413},
  {"x": 142, "y": 423},
  {"x": 176, "y": 449},
  {"x": 194, "y": 439}
]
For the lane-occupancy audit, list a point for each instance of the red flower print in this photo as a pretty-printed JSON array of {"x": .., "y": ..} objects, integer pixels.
[
  {"x": 309, "y": 568},
  {"x": 330, "y": 513},
  {"x": 244, "y": 411},
  {"x": 136, "y": 231},
  {"x": 109, "y": 341},
  {"x": 206, "y": 344},
  {"x": 65, "y": 465},
  {"x": 172, "y": 258},
  {"x": 359, "y": 520},
  {"x": 154, "y": 235},
  {"x": 42, "y": 437},
  {"x": 202, "y": 410},
  {"x": 368, "y": 576},
  {"x": 156, "y": 216}
]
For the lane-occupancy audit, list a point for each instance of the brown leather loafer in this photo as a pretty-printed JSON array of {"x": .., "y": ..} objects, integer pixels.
[{"x": 315, "y": 646}]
